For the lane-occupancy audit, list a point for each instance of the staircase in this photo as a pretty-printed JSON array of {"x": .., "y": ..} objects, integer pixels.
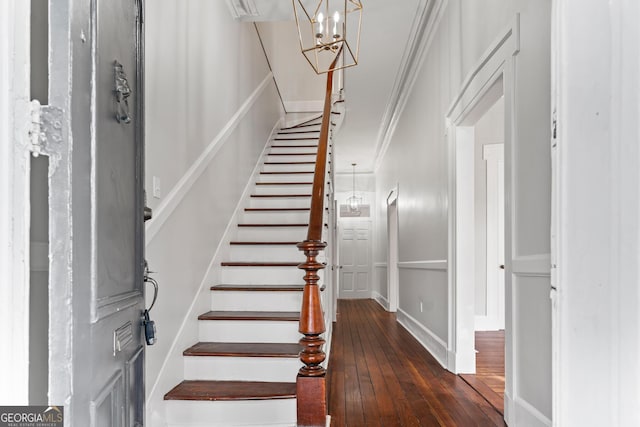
[{"x": 243, "y": 371}]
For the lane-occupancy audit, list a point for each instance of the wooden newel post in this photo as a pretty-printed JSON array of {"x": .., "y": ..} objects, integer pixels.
[{"x": 311, "y": 382}]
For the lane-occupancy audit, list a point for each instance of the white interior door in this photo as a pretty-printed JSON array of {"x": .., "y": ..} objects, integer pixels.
[
  {"x": 493, "y": 154},
  {"x": 355, "y": 260}
]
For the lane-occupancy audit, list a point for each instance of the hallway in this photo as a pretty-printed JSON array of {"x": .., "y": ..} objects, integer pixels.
[{"x": 379, "y": 375}]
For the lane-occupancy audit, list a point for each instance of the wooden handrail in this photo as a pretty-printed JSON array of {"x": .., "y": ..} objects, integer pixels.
[{"x": 311, "y": 385}]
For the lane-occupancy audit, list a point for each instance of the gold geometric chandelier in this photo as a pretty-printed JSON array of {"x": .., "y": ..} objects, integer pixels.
[{"x": 328, "y": 28}]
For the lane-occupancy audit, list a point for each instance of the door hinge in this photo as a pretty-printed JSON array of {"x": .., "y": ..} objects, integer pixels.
[{"x": 45, "y": 129}]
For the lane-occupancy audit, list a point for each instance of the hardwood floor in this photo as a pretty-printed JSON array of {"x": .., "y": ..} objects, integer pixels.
[
  {"x": 489, "y": 377},
  {"x": 379, "y": 375}
]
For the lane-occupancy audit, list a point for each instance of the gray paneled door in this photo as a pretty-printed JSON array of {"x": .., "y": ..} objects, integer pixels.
[
  {"x": 117, "y": 258},
  {"x": 96, "y": 211}
]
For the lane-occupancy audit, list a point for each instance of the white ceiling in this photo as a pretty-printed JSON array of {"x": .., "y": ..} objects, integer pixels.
[{"x": 369, "y": 86}]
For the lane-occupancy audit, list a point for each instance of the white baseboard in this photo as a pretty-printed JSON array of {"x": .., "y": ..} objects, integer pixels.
[
  {"x": 486, "y": 323},
  {"x": 381, "y": 300},
  {"x": 519, "y": 412},
  {"x": 426, "y": 337}
]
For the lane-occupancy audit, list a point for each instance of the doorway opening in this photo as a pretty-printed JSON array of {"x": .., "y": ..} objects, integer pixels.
[
  {"x": 393, "y": 285},
  {"x": 488, "y": 278}
]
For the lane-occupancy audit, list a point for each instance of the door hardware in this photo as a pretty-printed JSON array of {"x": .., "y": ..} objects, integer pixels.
[
  {"x": 149, "y": 325},
  {"x": 123, "y": 91}
]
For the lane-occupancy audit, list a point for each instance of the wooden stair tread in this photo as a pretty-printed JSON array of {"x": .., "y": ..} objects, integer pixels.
[
  {"x": 263, "y": 243},
  {"x": 302, "y": 126},
  {"x": 280, "y": 195},
  {"x": 294, "y": 146},
  {"x": 259, "y": 264},
  {"x": 284, "y": 183},
  {"x": 289, "y": 163},
  {"x": 231, "y": 390},
  {"x": 244, "y": 349},
  {"x": 299, "y": 131},
  {"x": 251, "y": 315},
  {"x": 275, "y": 209},
  {"x": 300, "y": 138},
  {"x": 286, "y": 172},
  {"x": 258, "y": 288},
  {"x": 291, "y": 154},
  {"x": 273, "y": 225}
]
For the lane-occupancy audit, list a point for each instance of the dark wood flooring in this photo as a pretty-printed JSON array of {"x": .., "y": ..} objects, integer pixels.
[
  {"x": 489, "y": 377},
  {"x": 379, "y": 375}
]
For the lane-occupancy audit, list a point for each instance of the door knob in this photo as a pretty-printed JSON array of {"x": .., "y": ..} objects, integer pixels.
[{"x": 501, "y": 266}]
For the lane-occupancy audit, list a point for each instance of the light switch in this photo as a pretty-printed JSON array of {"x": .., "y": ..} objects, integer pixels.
[{"x": 156, "y": 187}]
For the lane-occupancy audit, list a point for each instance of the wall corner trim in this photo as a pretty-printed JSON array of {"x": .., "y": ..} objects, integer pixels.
[{"x": 180, "y": 190}]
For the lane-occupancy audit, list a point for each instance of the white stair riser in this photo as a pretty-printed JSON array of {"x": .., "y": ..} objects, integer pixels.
[
  {"x": 291, "y": 148},
  {"x": 264, "y": 275},
  {"x": 276, "y": 217},
  {"x": 296, "y": 158},
  {"x": 283, "y": 189},
  {"x": 256, "y": 300},
  {"x": 299, "y": 135},
  {"x": 266, "y": 253},
  {"x": 263, "y": 413},
  {"x": 248, "y": 331},
  {"x": 221, "y": 368},
  {"x": 290, "y": 168},
  {"x": 264, "y": 234},
  {"x": 280, "y": 202},
  {"x": 290, "y": 177},
  {"x": 261, "y": 275}
]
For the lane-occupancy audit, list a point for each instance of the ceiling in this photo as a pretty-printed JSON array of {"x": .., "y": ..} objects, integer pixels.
[{"x": 370, "y": 87}]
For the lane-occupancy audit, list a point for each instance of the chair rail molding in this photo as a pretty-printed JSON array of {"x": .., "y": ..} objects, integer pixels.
[{"x": 181, "y": 189}]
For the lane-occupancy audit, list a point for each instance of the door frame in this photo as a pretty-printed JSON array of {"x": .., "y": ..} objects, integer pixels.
[
  {"x": 15, "y": 117},
  {"x": 393, "y": 275},
  {"x": 491, "y": 78}
]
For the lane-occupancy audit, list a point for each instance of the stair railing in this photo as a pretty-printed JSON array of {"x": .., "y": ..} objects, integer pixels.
[{"x": 311, "y": 381}]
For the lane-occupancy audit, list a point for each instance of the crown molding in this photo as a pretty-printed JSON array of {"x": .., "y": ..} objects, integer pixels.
[{"x": 425, "y": 24}]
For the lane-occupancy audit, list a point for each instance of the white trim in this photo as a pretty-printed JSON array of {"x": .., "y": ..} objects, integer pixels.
[
  {"x": 519, "y": 412},
  {"x": 538, "y": 265},
  {"x": 384, "y": 303},
  {"x": 429, "y": 340},
  {"x": 423, "y": 30},
  {"x": 437, "y": 264},
  {"x": 313, "y": 106},
  {"x": 14, "y": 200},
  {"x": 181, "y": 189},
  {"x": 176, "y": 347},
  {"x": 380, "y": 265},
  {"x": 479, "y": 87},
  {"x": 510, "y": 39}
]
